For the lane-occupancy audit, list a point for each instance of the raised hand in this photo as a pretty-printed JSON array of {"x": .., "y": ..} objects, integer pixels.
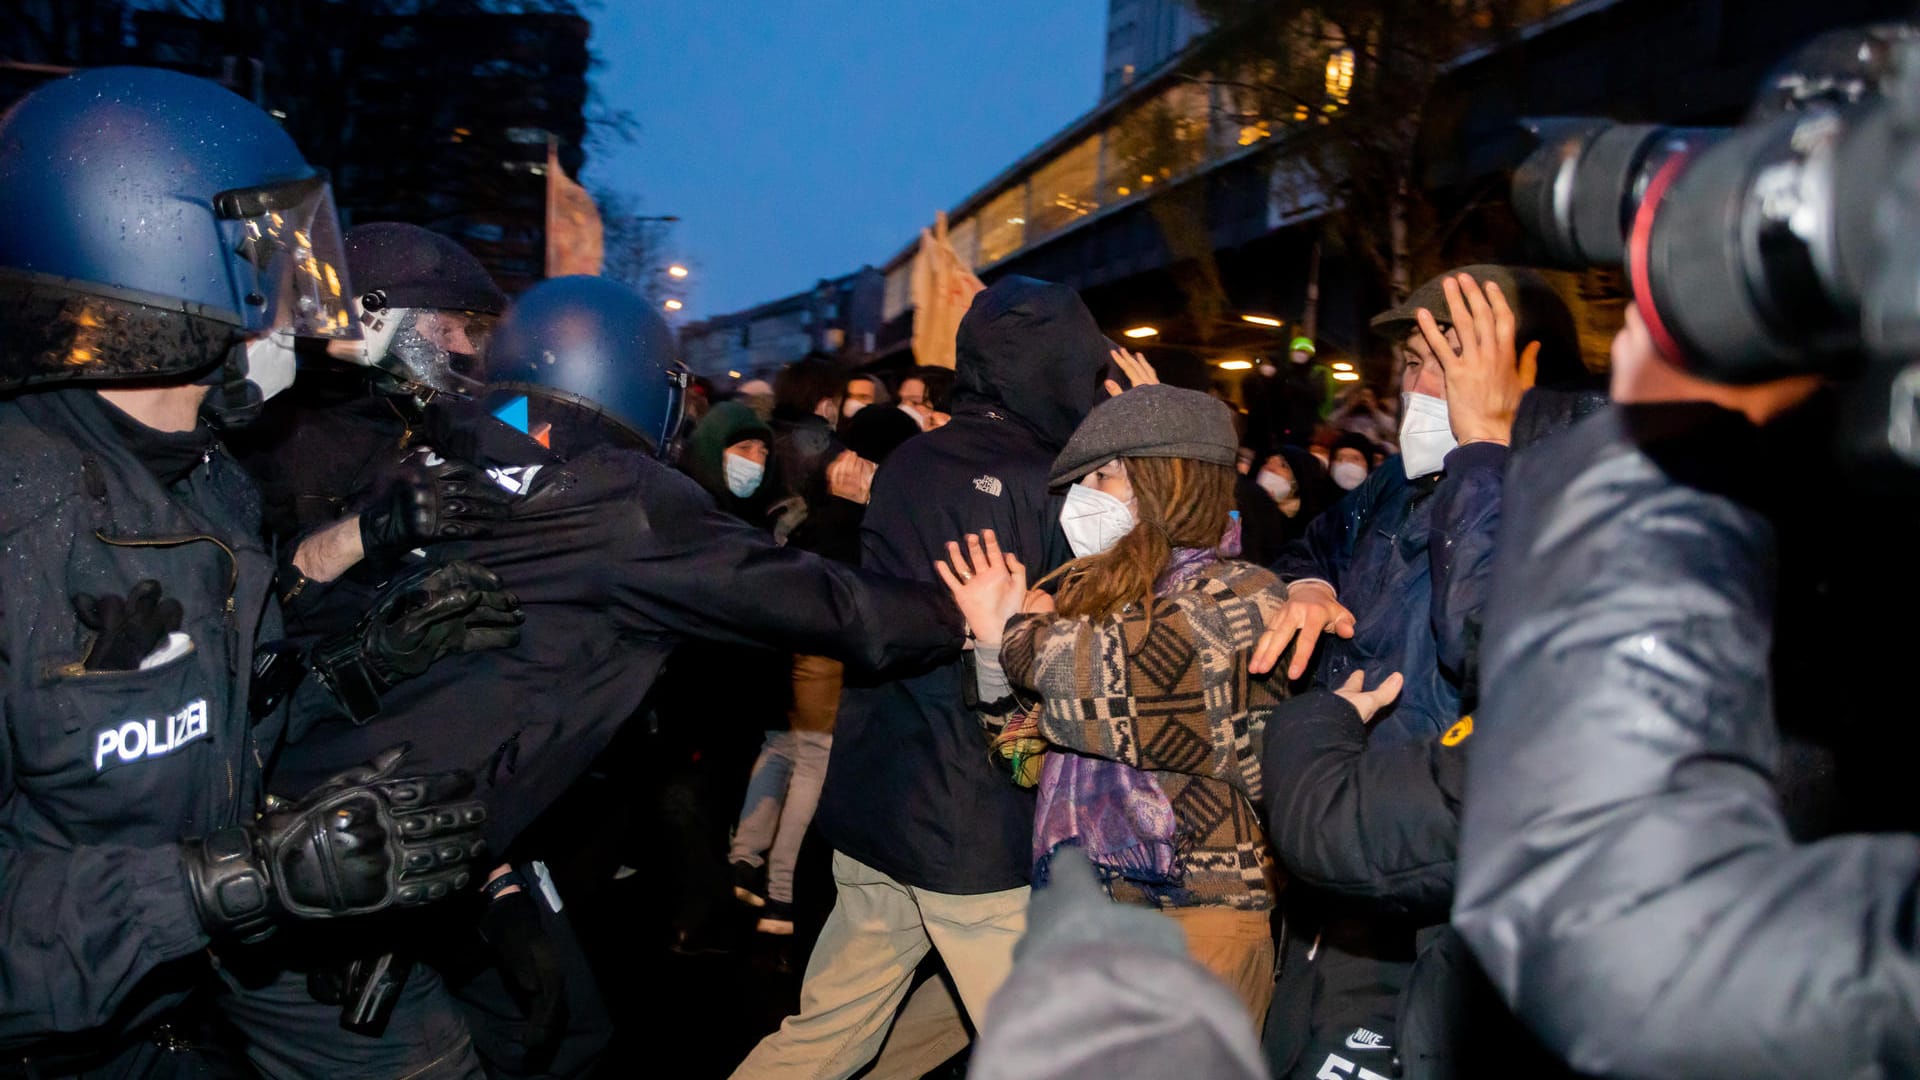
[
  {"x": 1135, "y": 367},
  {"x": 988, "y": 587},
  {"x": 1485, "y": 375}
]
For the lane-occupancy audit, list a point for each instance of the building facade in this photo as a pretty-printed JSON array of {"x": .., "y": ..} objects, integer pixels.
[
  {"x": 1143, "y": 36},
  {"x": 1228, "y": 214},
  {"x": 438, "y": 114},
  {"x": 837, "y": 318}
]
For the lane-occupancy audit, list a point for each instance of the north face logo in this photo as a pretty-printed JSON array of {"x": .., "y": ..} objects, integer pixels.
[{"x": 989, "y": 484}]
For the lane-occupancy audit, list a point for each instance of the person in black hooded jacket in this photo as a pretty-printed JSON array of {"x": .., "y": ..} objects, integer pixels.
[
  {"x": 931, "y": 842},
  {"x": 1269, "y": 522}
]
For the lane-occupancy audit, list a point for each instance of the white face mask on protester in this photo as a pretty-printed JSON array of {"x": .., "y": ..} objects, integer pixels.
[
  {"x": 1093, "y": 520},
  {"x": 1348, "y": 475},
  {"x": 743, "y": 474},
  {"x": 851, "y": 406},
  {"x": 1426, "y": 435},
  {"x": 1275, "y": 485}
]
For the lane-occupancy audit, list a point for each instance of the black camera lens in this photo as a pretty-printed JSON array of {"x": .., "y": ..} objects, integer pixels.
[
  {"x": 1578, "y": 193},
  {"x": 1753, "y": 262}
]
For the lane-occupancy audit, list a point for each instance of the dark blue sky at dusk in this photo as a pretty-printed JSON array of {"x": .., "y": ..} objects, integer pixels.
[{"x": 799, "y": 139}]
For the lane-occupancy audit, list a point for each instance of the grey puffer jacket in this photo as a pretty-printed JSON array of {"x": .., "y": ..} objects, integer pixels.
[{"x": 1628, "y": 878}]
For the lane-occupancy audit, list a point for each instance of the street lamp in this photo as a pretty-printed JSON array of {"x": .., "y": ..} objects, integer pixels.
[
  {"x": 1236, "y": 365},
  {"x": 677, "y": 271},
  {"x": 674, "y": 305},
  {"x": 1143, "y": 332},
  {"x": 1260, "y": 320}
]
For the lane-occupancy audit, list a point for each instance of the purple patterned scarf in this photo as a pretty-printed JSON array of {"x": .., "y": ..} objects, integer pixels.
[{"x": 1115, "y": 813}]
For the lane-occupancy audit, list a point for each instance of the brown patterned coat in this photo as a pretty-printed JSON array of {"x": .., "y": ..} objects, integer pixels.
[{"x": 1171, "y": 695}]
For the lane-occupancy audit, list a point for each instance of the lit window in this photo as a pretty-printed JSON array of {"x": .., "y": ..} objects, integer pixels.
[
  {"x": 1003, "y": 225},
  {"x": 1064, "y": 189},
  {"x": 1340, "y": 77}
]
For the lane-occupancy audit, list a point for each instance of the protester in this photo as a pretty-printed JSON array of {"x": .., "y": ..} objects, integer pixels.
[
  {"x": 931, "y": 844},
  {"x": 1360, "y": 412},
  {"x": 806, "y": 406},
  {"x": 1371, "y": 976},
  {"x": 1142, "y": 676},
  {"x": 1409, "y": 549},
  {"x": 923, "y": 396},
  {"x": 1350, "y": 460},
  {"x": 784, "y": 789},
  {"x": 727, "y": 455},
  {"x": 860, "y": 392},
  {"x": 1279, "y": 500}
]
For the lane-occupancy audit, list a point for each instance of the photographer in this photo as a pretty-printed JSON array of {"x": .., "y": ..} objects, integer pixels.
[{"x": 1629, "y": 876}]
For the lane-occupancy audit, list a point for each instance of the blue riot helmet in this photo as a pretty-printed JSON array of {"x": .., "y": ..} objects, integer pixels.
[
  {"x": 585, "y": 351},
  {"x": 160, "y": 227}
]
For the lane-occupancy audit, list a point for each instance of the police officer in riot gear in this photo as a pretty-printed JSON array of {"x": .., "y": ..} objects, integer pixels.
[
  {"x": 167, "y": 244},
  {"x": 625, "y": 557},
  {"x": 356, "y": 480},
  {"x": 335, "y": 462},
  {"x": 427, "y": 308}
]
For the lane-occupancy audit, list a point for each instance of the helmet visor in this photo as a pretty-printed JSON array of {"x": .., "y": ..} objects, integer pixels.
[
  {"x": 288, "y": 265},
  {"x": 443, "y": 351}
]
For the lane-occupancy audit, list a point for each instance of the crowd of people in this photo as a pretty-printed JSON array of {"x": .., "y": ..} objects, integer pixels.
[{"x": 1137, "y": 723}]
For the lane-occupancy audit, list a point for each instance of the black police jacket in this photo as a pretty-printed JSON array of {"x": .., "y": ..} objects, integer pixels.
[
  {"x": 1369, "y": 838},
  {"x": 910, "y": 789},
  {"x": 616, "y": 559},
  {"x": 103, "y": 773},
  {"x": 1378, "y": 826},
  {"x": 1628, "y": 878}
]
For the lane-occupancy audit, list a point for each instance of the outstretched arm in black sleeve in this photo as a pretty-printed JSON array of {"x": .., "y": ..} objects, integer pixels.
[{"x": 1379, "y": 826}]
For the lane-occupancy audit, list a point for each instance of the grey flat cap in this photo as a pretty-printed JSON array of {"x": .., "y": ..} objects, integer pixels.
[
  {"x": 1149, "y": 421},
  {"x": 1538, "y": 311}
]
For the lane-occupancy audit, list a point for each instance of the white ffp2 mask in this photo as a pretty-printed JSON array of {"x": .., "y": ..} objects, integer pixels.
[
  {"x": 1426, "y": 435},
  {"x": 1093, "y": 520},
  {"x": 1275, "y": 485}
]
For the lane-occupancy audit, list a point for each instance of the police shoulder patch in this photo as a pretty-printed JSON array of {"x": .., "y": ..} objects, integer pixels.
[{"x": 1458, "y": 733}]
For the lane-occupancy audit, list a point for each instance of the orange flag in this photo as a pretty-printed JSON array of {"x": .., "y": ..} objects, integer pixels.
[
  {"x": 576, "y": 243},
  {"x": 943, "y": 288}
]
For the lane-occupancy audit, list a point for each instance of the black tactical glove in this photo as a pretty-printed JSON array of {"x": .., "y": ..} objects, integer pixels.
[
  {"x": 528, "y": 964},
  {"x": 127, "y": 630},
  {"x": 364, "y": 841},
  {"x": 424, "y": 615},
  {"x": 451, "y": 500}
]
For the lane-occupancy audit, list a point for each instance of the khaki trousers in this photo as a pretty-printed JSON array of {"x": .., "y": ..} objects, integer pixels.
[
  {"x": 1235, "y": 945},
  {"x": 861, "y": 967}
]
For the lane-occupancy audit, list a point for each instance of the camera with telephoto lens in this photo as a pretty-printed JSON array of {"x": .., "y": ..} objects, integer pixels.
[{"x": 1787, "y": 245}]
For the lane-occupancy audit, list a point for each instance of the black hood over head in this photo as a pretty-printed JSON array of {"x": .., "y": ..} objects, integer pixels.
[{"x": 1032, "y": 349}]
